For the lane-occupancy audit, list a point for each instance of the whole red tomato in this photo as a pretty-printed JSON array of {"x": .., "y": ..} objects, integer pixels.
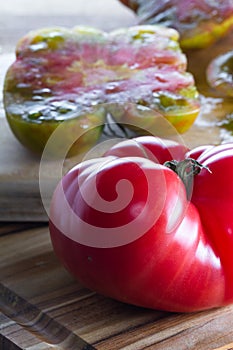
[{"x": 129, "y": 227}]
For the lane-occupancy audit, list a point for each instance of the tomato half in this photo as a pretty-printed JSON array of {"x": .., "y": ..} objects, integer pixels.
[
  {"x": 200, "y": 23},
  {"x": 124, "y": 226}
]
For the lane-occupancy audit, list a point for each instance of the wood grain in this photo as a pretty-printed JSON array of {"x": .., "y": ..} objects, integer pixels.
[{"x": 29, "y": 269}]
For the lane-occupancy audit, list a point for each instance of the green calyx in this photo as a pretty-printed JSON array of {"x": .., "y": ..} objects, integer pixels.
[{"x": 186, "y": 170}]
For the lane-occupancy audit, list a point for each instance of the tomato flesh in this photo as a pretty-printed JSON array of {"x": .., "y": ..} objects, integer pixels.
[{"x": 76, "y": 76}]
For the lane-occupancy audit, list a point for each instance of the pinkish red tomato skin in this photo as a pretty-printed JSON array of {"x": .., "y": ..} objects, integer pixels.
[
  {"x": 188, "y": 268},
  {"x": 212, "y": 196},
  {"x": 153, "y": 148}
]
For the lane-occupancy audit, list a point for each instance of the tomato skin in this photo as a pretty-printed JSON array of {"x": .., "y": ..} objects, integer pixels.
[
  {"x": 183, "y": 262},
  {"x": 153, "y": 148},
  {"x": 212, "y": 195}
]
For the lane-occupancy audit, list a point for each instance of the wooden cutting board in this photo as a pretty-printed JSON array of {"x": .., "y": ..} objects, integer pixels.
[
  {"x": 20, "y": 195},
  {"x": 39, "y": 294}
]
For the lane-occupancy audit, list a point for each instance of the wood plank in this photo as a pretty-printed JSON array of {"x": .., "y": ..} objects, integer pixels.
[
  {"x": 226, "y": 347},
  {"x": 9, "y": 227},
  {"x": 15, "y": 337},
  {"x": 30, "y": 270}
]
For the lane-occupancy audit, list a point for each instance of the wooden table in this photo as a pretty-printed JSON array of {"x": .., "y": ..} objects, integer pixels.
[
  {"x": 39, "y": 294},
  {"x": 41, "y": 304}
]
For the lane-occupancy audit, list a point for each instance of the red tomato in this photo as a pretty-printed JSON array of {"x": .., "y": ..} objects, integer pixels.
[{"x": 123, "y": 226}]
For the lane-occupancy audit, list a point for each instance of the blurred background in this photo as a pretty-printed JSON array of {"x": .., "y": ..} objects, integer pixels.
[{"x": 18, "y": 17}]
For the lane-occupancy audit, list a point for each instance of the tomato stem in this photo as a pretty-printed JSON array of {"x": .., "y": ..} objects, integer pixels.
[{"x": 186, "y": 170}]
